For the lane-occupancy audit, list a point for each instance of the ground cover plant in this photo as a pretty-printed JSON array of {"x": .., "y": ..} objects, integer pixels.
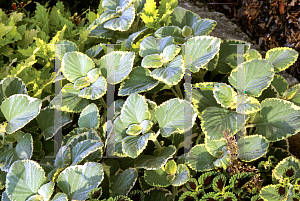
[{"x": 134, "y": 148}]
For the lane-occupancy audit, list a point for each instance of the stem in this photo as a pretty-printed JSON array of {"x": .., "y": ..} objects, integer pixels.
[
  {"x": 156, "y": 143},
  {"x": 250, "y": 125},
  {"x": 178, "y": 91},
  {"x": 174, "y": 92},
  {"x": 174, "y": 191},
  {"x": 103, "y": 103}
]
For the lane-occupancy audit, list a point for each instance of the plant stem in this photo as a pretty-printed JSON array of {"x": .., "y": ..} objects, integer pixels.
[
  {"x": 250, "y": 125},
  {"x": 103, "y": 103},
  {"x": 174, "y": 92},
  {"x": 174, "y": 191},
  {"x": 156, "y": 143},
  {"x": 178, "y": 91}
]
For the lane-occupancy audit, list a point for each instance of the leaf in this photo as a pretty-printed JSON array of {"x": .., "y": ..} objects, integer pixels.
[
  {"x": 46, "y": 190},
  {"x": 203, "y": 49},
  {"x": 293, "y": 94},
  {"x": 258, "y": 75},
  {"x": 224, "y": 94},
  {"x": 122, "y": 23},
  {"x": 280, "y": 84},
  {"x": 172, "y": 31},
  {"x": 132, "y": 146},
  {"x": 50, "y": 125},
  {"x": 83, "y": 149},
  {"x": 151, "y": 45},
  {"x": 93, "y": 51},
  {"x": 63, "y": 157},
  {"x": 130, "y": 40},
  {"x": 171, "y": 116},
  {"x": 182, "y": 175},
  {"x": 23, "y": 150},
  {"x": 246, "y": 104},
  {"x": 252, "y": 147},
  {"x": 89, "y": 117},
  {"x": 153, "y": 162},
  {"x": 151, "y": 61},
  {"x": 182, "y": 17},
  {"x": 281, "y": 58},
  {"x": 122, "y": 183},
  {"x": 18, "y": 110},
  {"x": 139, "y": 80},
  {"x": 95, "y": 91},
  {"x": 172, "y": 73},
  {"x": 116, "y": 66},
  {"x": 199, "y": 158},
  {"x": 278, "y": 119},
  {"x": 60, "y": 197},
  {"x": 228, "y": 47},
  {"x": 77, "y": 181},
  {"x": 214, "y": 120},
  {"x": 171, "y": 167},
  {"x": 10, "y": 86},
  {"x": 76, "y": 65},
  {"x": 24, "y": 179},
  {"x": 252, "y": 54},
  {"x": 203, "y": 27},
  {"x": 156, "y": 178}
]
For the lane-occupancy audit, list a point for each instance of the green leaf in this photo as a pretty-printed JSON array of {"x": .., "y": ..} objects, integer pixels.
[
  {"x": 172, "y": 73},
  {"x": 171, "y": 118},
  {"x": 258, "y": 75},
  {"x": 63, "y": 157},
  {"x": 279, "y": 119},
  {"x": 24, "y": 179},
  {"x": 132, "y": 146},
  {"x": 90, "y": 176},
  {"x": 280, "y": 169},
  {"x": 23, "y": 150},
  {"x": 200, "y": 159},
  {"x": 203, "y": 27},
  {"x": 252, "y": 147},
  {"x": 10, "y": 86},
  {"x": 70, "y": 100},
  {"x": 60, "y": 197},
  {"x": 93, "y": 51},
  {"x": 281, "y": 58},
  {"x": 122, "y": 183},
  {"x": 66, "y": 46},
  {"x": 134, "y": 129},
  {"x": 89, "y": 117},
  {"x": 181, "y": 176},
  {"x": 227, "y": 48},
  {"x": 172, "y": 31},
  {"x": 116, "y": 66},
  {"x": 280, "y": 84},
  {"x": 171, "y": 167},
  {"x": 246, "y": 105},
  {"x": 203, "y": 49},
  {"x": 153, "y": 162},
  {"x": 203, "y": 96},
  {"x": 214, "y": 120},
  {"x": 47, "y": 122},
  {"x": 139, "y": 80},
  {"x": 182, "y": 17},
  {"x": 46, "y": 190},
  {"x": 95, "y": 90},
  {"x": 122, "y": 23},
  {"x": 97, "y": 30},
  {"x": 151, "y": 45},
  {"x": 81, "y": 83},
  {"x": 18, "y": 110},
  {"x": 130, "y": 40},
  {"x": 83, "y": 149},
  {"x": 224, "y": 94},
  {"x": 293, "y": 94},
  {"x": 156, "y": 177},
  {"x": 134, "y": 110},
  {"x": 252, "y": 54},
  {"x": 76, "y": 65},
  {"x": 152, "y": 61}
]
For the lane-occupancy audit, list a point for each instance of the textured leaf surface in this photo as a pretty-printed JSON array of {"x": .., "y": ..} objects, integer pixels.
[
  {"x": 18, "y": 110},
  {"x": 77, "y": 181},
  {"x": 122, "y": 183}
]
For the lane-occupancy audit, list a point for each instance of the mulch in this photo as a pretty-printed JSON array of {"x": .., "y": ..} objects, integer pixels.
[{"x": 271, "y": 23}]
